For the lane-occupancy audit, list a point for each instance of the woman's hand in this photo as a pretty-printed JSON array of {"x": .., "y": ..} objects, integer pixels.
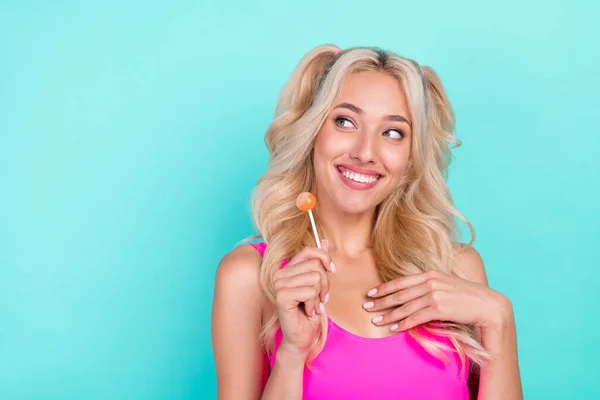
[
  {"x": 301, "y": 290},
  {"x": 436, "y": 296}
]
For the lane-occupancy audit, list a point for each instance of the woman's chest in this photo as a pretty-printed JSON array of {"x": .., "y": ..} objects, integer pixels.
[
  {"x": 347, "y": 295},
  {"x": 386, "y": 368}
]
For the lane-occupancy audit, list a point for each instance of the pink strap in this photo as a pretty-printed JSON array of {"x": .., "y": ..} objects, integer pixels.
[{"x": 261, "y": 247}]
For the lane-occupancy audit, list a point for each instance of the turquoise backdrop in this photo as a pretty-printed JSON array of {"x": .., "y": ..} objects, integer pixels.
[{"x": 131, "y": 135}]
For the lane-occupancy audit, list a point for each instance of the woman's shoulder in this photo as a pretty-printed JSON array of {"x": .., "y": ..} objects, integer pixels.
[
  {"x": 240, "y": 266},
  {"x": 238, "y": 278},
  {"x": 470, "y": 263}
]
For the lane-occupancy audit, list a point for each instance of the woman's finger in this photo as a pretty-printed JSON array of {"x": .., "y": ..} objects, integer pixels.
[
  {"x": 288, "y": 299},
  {"x": 398, "y": 298},
  {"x": 404, "y": 282},
  {"x": 309, "y": 266},
  {"x": 402, "y": 312},
  {"x": 422, "y": 316},
  {"x": 308, "y": 253},
  {"x": 310, "y": 278},
  {"x": 315, "y": 304}
]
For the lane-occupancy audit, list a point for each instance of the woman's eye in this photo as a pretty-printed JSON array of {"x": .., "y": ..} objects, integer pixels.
[
  {"x": 344, "y": 122},
  {"x": 394, "y": 134}
]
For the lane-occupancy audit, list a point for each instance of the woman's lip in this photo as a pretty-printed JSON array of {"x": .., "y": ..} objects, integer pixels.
[
  {"x": 357, "y": 185},
  {"x": 359, "y": 170}
]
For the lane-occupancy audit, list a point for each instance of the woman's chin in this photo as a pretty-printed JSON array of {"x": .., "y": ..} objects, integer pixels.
[{"x": 356, "y": 208}]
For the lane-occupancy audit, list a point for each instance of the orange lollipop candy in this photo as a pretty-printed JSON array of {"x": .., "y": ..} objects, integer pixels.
[{"x": 306, "y": 201}]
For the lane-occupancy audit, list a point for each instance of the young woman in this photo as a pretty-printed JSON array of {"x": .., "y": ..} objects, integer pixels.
[{"x": 392, "y": 306}]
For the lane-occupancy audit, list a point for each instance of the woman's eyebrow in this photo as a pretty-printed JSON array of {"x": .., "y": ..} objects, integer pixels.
[{"x": 359, "y": 111}]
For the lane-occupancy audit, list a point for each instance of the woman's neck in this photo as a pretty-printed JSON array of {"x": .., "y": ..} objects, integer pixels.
[{"x": 346, "y": 234}]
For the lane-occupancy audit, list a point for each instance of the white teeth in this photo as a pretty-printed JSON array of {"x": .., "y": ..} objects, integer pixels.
[{"x": 359, "y": 177}]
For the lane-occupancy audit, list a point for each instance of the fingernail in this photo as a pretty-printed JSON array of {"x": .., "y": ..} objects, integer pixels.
[
  {"x": 314, "y": 312},
  {"x": 322, "y": 308},
  {"x": 377, "y": 319},
  {"x": 332, "y": 266},
  {"x": 394, "y": 327},
  {"x": 368, "y": 304},
  {"x": 325, "y": 245},
  {"x": 326, "y": 297},
  {"x": 372, "y": 292}
]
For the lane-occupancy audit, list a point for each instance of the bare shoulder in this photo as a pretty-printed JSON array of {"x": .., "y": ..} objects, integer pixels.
[
  {"x": 470, "y": 264},
  {"x": 243, "y": 260},
  {"x": 240, "y": 270}
]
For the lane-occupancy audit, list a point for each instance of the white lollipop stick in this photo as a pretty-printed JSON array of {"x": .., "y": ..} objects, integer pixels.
[{"x": 314, "y": 228}]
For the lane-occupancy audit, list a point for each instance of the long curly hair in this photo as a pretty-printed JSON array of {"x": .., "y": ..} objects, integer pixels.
[{"x": 414, "y": 229}]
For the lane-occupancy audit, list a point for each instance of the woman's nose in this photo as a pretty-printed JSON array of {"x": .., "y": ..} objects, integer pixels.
[{"x": 364, "y": 149}]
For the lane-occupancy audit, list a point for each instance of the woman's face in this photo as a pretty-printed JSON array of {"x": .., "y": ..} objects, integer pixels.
[{"x": 363, "y": 147}]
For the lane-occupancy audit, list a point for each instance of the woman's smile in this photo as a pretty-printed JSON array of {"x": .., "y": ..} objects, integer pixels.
[{"x": 357, "y": 178}]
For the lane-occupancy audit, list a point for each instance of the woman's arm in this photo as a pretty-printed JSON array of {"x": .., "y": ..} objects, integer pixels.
[
  {"x": 241, "y": 364},
  {"x": 285, "y": 381},
  {"x": 500, "y": 378}
]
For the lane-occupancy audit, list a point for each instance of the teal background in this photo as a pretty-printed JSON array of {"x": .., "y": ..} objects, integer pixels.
[{"x": 131, "y": 134}]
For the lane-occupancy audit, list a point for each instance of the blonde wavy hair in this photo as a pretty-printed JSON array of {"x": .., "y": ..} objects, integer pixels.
[{"x": 414, "y": 230}]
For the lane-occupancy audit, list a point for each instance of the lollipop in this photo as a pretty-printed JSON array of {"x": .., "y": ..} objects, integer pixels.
[{"x": 306, "y": 202}]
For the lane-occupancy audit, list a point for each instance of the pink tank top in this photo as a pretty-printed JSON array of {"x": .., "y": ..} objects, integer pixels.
[{"x": 395, "y": 367}]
